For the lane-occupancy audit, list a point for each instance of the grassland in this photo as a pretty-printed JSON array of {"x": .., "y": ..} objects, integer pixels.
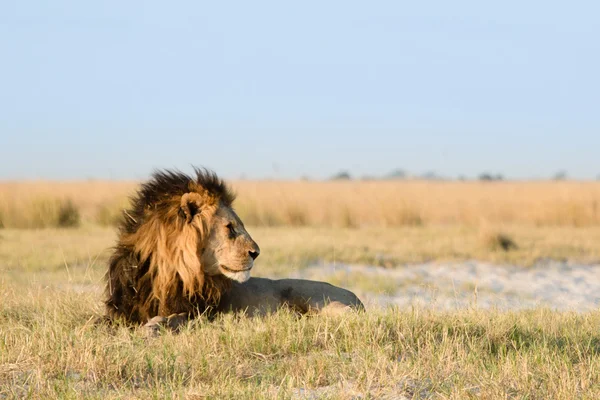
[
  {"x": 50, "y": 349},
  {"x": 51, "y": 288},
  {"x": 334, "y": 204}
]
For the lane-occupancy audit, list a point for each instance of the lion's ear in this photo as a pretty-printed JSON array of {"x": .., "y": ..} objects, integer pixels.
[{"x": 191, "y": 204}]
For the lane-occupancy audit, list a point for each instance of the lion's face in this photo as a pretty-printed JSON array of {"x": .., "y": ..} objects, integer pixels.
[{"x": 229, "y": 249}]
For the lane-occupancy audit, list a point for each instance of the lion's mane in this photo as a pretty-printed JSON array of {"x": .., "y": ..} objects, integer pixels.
[{"x": 155, "y": 268}]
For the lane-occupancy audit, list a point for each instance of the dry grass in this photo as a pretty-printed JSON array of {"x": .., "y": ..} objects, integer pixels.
[
  {"x": 284, "y": 249},
  {"x": 41, "y": 213},
  {"x": 416, "y": 203},
  {"x": 342, "y": 204},
  {"x": 498, "y": 241},
  {"x": 50, "y": 349},
  {"x": 51, "y": 289},
  {"x": 45, "y": 204}
]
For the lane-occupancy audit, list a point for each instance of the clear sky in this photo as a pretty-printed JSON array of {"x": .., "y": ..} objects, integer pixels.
[{"x": 113, "y": 89}]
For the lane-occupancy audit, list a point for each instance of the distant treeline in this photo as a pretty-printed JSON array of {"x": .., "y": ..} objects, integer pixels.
[{"x": 399, "y": 174}]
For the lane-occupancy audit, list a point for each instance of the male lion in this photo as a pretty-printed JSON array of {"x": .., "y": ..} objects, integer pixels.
[{"x": 183, "y": 251}]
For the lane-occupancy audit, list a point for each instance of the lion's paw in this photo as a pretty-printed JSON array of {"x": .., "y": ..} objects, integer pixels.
[
  {"x": 173, "y": 322},
  {"x": 152, "y": 328}
]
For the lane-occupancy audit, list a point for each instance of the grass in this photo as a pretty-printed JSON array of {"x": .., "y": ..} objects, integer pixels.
[
  {"x": 498, "y": 241},
  {"x": 344, "y": 204},
  {"x": 42, "y": 213},
  {"x": 50, "y": 349},
  {"x": 284, "y": 249},
  {"x": 51, "y": 291},
  {"x": 46, "y": 204},
  {"x": 420, "y": 203}
]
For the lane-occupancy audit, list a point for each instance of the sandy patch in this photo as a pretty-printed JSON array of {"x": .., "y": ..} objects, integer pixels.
[{"x": 558, "y": 285}]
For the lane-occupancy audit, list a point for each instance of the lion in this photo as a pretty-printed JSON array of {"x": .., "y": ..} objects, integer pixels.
[{"x": 182, "y": 252}]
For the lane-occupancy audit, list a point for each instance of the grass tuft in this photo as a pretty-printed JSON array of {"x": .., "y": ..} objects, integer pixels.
[
  {"x": 41, "y": 212},
  {"x": 295, "y": 216},
  {"x": 68, "y": 215},
  {"x": 402, "y": 215},
  {"x": 498, "y": 241},
  {"x": 110, "y": 213},
  {"x": 253, "y": 215},
  {"x": 346, "y": 219}
]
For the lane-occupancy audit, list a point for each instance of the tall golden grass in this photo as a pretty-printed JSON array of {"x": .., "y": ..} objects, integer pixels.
[
  {"x": 38, "y": 204},
  {"x": 334, "y": 204}
]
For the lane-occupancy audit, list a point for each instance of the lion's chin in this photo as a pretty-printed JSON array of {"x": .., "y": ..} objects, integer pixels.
[{"x": 238, "y": 276}]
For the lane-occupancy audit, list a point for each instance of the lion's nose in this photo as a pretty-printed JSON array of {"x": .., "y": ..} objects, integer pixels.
[{"x": 254, "y": 254}]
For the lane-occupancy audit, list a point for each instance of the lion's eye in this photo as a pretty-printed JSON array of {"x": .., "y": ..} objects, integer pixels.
[{"x": 231, "y": 229}]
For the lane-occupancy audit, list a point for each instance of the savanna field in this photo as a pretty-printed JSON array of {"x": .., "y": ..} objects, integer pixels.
[{"x": 55, "y": 239}]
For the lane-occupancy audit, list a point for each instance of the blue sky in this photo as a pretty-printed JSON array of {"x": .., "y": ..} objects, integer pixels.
[{"x": 285, "y": 89}]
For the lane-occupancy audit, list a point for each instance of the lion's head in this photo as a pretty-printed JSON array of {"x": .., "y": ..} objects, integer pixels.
[
  {"x": 185, "y": 235},
  {"x": 229, "y": 249}
]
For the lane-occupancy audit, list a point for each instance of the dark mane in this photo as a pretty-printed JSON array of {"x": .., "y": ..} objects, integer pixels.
[{"x": 164, "y": 184}]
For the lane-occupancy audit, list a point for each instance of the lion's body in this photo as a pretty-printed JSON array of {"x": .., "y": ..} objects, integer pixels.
[
  {"x": 261, "y": 296},
  {"x": 183, "y": 251}
]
